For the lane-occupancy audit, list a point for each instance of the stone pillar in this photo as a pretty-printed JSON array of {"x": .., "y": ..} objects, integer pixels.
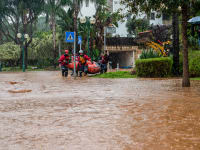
[{"x": 108, "y": 65}]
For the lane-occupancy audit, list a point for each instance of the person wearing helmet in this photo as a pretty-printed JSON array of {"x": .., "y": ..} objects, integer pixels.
[
  {"x": 83, "y": 58},
  {"x": 63, "y": 62}
]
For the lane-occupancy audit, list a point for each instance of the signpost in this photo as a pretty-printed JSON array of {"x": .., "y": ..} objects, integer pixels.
[
  {"x": 74, "y": 56},
  {"x": 80, "y": 41},
  {"x": 70, "y": 36}
]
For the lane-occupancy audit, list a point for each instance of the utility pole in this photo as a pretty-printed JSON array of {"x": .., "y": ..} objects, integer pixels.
[
  {"x": 104, "y": 39},
  {"x": 75, "y": 30}
]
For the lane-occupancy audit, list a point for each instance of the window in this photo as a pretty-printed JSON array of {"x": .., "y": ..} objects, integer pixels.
[{"x": 152, "y": 16}]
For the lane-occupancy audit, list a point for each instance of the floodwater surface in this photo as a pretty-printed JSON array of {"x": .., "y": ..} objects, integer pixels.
[{"x": 43, "y": 111}]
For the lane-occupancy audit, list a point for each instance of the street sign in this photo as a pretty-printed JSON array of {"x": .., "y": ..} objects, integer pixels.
[
  {"x": 111, "y": 30},
  {"x": 79, "y": 39},
  {"x": 69, "y": 37}
]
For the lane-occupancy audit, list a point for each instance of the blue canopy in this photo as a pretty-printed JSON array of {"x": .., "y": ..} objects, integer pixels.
[{"x": 195, "y": 20}]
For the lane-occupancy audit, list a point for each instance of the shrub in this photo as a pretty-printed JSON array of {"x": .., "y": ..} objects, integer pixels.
[
  {"x": 9, "y": 52},
  {"x": 194, "y": 63},
  {"x": 154, "y": 67},
  {"x": 194, "y": 66},
  {"x": 149, "y": 54},
  {"x": 133, "y": 72}
]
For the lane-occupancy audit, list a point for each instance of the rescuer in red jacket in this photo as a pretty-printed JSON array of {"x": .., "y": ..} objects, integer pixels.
[
  {"x": 63, "y": 62},
  {"x": 82, "y": 62}
]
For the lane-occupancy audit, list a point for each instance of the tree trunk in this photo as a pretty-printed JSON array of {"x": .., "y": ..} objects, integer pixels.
[
  {"x": 176, "y": 48},
  {"x": 100, "y": 38},
  {"x": 186, "y": 80},
  {"x": 54, "y": 39},
  {"x": 75, "y": 22},
  {"x": 91, "y": 48}
]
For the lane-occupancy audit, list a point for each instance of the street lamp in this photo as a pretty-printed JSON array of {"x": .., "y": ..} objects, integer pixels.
[
  {"x": 23, "y": 37},
  {"x": 88, "y": 21}
]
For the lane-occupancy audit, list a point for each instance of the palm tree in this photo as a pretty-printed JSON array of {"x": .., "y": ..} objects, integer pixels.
[{"x": 52, "y": 7}]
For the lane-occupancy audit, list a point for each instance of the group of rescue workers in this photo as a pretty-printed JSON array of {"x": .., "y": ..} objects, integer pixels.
[{"x": 82, "y": 59}]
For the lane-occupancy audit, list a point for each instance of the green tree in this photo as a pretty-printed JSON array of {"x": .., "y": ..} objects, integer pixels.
[
  {"x": 104, "y": 18},
  {"x": 19, "y": 16},
  {"x": 171, "y": 5},
  {"x": 52, "y": 8},
  {"x": 137, "y": 25},
  {"x": 76, "y": 10}
]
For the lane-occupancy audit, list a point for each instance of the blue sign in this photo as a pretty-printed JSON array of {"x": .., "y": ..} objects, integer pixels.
[
  {"x": 69, "y": 37},
  {"x": 79, "y": 39}
]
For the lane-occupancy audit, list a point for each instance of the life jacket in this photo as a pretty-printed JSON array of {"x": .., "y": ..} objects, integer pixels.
[
  {"x": 82, "y": 59},
  {"x": 67, "y": 59},
  {"x": 64, "y": 59}
]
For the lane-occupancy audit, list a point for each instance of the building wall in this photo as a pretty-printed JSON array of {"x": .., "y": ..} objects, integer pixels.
[
  {"x": 121, "y": 30},
  {"x": 87, "y": 10},
  {"x": 156, "y": 20}
]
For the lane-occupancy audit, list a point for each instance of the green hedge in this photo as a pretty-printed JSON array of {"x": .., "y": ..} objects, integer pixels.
[
  {"x": 154, "y": 67},
  {"x": 194, "y": 66},
  {"x": 194, "y": 63},
  {"x": 149, "y": 53}
]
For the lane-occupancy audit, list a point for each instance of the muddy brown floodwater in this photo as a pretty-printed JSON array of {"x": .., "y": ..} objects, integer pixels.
[{"x": 43, "y": 111}]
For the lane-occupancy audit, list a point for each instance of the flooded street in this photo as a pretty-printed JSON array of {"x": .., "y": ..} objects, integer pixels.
[{"x": 43, "y": 111}]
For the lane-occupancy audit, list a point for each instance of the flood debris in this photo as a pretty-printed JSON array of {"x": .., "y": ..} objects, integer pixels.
[
  {"x": 13, "y": 82},
  {"x": 19, "y": 91}
]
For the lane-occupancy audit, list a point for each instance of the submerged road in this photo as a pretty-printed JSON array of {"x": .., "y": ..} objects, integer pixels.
[{"x": 43, "y": 111}]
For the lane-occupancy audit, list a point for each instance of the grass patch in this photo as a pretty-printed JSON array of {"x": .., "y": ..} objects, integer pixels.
[
  {"x": 18, "y": 69},
  {"x": 118, "y": 74},
  {"x": 30, "y": 68},
  {"x": 197, "y": 78}
]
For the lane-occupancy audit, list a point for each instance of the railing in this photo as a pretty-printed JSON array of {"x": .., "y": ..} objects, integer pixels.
[{"x": 120, "y": 41}]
